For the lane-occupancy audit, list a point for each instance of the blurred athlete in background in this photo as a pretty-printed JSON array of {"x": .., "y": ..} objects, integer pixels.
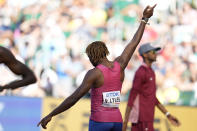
[
  {"x": 142, "y": 99},
  {"x": 18, "y": 68}
]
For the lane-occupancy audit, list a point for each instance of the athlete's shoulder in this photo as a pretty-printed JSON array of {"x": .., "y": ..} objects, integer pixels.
[
  {"x": 141, "y": 69},
  {"x": 94, "y": 72},
  {"x": 92, "y": 75}
]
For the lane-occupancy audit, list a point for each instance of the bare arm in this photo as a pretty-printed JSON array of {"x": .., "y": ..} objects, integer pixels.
[
  {"x": 17, "y": 68},
  {"x": 161, "y": 108},
  {"x": 87, "y": 83},
  {"x": 126, "y": 118},
  {"x": 174, "y": 121},
  {"x": 90, "y": 79},
  {"x": 124, "y": 58}
]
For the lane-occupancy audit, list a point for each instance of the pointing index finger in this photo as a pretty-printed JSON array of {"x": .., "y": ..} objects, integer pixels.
[
  {"x": 38, "y": 123},
  {"x": 154, "y": 6}
]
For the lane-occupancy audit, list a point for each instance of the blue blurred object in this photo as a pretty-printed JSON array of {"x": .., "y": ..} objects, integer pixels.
[{"x": 19, "y": 113}]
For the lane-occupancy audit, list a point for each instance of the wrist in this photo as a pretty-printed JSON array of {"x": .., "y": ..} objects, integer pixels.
[
  {"x": 145, "y": 20},
  {"x": 167, "y": 114}
]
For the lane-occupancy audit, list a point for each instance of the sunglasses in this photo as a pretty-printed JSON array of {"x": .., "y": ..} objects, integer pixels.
[{"x": 153, "y": 51}]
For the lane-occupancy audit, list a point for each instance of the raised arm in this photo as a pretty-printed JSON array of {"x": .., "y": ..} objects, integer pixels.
[
  {"x": 90, "y": 78},
  {"x": 18, "y": 68},
  {"x": 124, "y": 58}
]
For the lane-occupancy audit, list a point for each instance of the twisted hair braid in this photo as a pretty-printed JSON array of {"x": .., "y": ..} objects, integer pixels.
[{"x": 96, "y": 51}]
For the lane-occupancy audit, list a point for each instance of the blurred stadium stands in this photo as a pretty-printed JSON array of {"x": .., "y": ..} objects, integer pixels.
[{"x": 50, "y": 36}]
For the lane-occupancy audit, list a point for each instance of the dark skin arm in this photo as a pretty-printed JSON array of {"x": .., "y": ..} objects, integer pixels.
[
  {"x": 173, "y": 120},
  {"x": 18, "y": 68},
  {"x": 129, "y": 50},
  {"x": 127, "y": 113},
  {"x": 92, "y": 77},
  {"x": 124, "y": 58}
]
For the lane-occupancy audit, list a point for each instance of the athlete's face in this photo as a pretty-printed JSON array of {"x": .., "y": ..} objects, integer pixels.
[{"x": 151, "y": 55}]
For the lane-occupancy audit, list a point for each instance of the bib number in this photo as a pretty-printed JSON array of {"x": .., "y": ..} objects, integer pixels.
[{"x": 111, "y": 99}]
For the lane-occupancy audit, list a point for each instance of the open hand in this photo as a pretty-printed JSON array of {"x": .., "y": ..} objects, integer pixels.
[
  {"x": 45, "y": 121},
  {"x": 148, "y": 11},
  {"x": 173, "y": 120}
]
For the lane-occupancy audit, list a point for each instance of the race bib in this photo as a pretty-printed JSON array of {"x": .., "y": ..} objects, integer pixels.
[{"x": 111, "y": 99}]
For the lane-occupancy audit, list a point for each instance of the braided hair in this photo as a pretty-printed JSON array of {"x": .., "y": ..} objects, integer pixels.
[{"x": 96, "y": 51}]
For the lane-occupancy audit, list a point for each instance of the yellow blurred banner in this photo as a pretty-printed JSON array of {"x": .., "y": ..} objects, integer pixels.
[
  {"x": 74, "y": 119},
  {"x": 77, "y": 118},
  {"x": 186, "y": 115}
]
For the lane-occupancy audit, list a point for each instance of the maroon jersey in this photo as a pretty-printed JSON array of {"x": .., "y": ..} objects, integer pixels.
[{"x": 144, "y": 89}]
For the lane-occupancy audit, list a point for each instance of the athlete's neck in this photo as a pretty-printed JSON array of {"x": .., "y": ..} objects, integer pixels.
[
  {"x": 148, "y": 63},
  {"x": 107, "y": 63}
]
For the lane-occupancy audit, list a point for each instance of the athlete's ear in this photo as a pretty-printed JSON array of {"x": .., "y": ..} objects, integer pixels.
[{"x": 144, "y": 55}]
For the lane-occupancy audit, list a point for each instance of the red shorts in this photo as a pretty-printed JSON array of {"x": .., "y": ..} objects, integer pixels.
[{"x": 142, "y": 126}]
